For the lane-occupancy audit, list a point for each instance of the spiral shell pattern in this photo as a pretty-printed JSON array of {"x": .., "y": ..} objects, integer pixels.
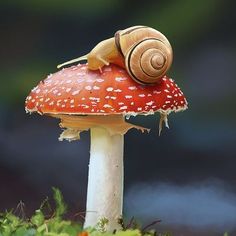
[{"x": 148, "y": 54}]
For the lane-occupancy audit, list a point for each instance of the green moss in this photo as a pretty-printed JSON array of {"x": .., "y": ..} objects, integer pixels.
[{"x": 55, "y": 225}]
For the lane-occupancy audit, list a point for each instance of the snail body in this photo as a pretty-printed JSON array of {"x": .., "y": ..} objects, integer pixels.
[
  {"x": 103, "y": 54},
  {"x": 144, "y": 52}
]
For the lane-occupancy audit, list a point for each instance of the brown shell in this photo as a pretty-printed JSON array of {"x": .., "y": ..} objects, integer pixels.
[{"x": 148, "y": 53}]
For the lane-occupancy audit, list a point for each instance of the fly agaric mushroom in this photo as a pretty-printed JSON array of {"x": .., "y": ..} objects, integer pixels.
[{"x": 100, "y": 101}]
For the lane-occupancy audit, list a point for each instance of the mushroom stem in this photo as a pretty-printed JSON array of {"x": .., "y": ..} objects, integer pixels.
[{"x": 105, "y": 181}]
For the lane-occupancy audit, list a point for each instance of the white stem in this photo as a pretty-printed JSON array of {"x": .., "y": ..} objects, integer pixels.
[{"x": 105, "y": 181}]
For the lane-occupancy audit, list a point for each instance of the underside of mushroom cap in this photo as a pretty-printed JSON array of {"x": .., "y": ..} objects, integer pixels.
[{"x": 78, "y": 91}]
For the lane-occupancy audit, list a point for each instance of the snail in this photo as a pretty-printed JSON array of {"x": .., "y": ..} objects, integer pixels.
[{"x": 144, "y": 52}]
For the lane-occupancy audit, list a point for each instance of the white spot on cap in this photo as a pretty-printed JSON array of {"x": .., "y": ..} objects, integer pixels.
[
  {"x": 140, "y": 109},
  {"x": 33, "y": 100},
  {"x": 59, "y": 94},
  {"x": 51, "y": 103},
  {"x": 169, "y": 96},
  {"x": 128, "y": 96},
  {"x": 150, "y": 103},
  {"x": 99, "y": 80},
  {"x": 35, "y": 88},
  {"x": 84, "y": 106},
  {"x": 41, "y": 99},
  {"x": 132, "y": 103},
  {"x": 156, "y": 92},
  {"x": 96, "y": 87},
  {"x": 29, "y": 98},
  {"x": 167, "y": 85},
  {"x": 94, "y": 99},
  {"x": 119, "y": 79},
  {"x": 68, "y": 81},
  {"x": 68, "y": 90},
  {"x": 167, "y": 102},
  {"x": 118, "y": 90},
  {"x": 149, "y": 95},
  {"x": 48, "y": 82},
  {"x": 141, "y": 95},
  {"x": 72, "y": 100},
  {"x": 37, "y": 91},
  {"x": 113, "y": 98},
  {"x": 123, "y": 108},
  {"x": 166, "y": 90},
  {"x": 107, "y": 106},
  {"x": 132, "y": 88},
  {"x": 75, "y": 92},
  {"x": 109, "y": 89},
  {"x": 83, "y": 98},
  {"x": 120, "y": 103},
  {"x": 88, "y": 87}
]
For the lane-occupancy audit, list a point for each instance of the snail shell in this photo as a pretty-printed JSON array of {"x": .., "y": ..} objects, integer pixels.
[{"x": 147, "y": 52}]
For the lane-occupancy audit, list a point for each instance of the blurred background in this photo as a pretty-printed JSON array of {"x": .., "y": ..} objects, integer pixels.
[{"x": 187, "y": 176}]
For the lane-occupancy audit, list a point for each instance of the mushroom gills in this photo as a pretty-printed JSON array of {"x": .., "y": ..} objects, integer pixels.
[{"x": 73, "y": 125}]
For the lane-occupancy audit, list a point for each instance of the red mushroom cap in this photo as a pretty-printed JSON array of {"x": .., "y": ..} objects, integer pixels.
[{"x": 79, "y": 91}]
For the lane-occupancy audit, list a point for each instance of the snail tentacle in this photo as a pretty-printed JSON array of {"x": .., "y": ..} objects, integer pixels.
[{"x": 82, "y": 58}]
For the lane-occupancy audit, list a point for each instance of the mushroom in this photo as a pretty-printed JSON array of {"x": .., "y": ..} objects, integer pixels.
[{"x": 100, "y": 101}]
